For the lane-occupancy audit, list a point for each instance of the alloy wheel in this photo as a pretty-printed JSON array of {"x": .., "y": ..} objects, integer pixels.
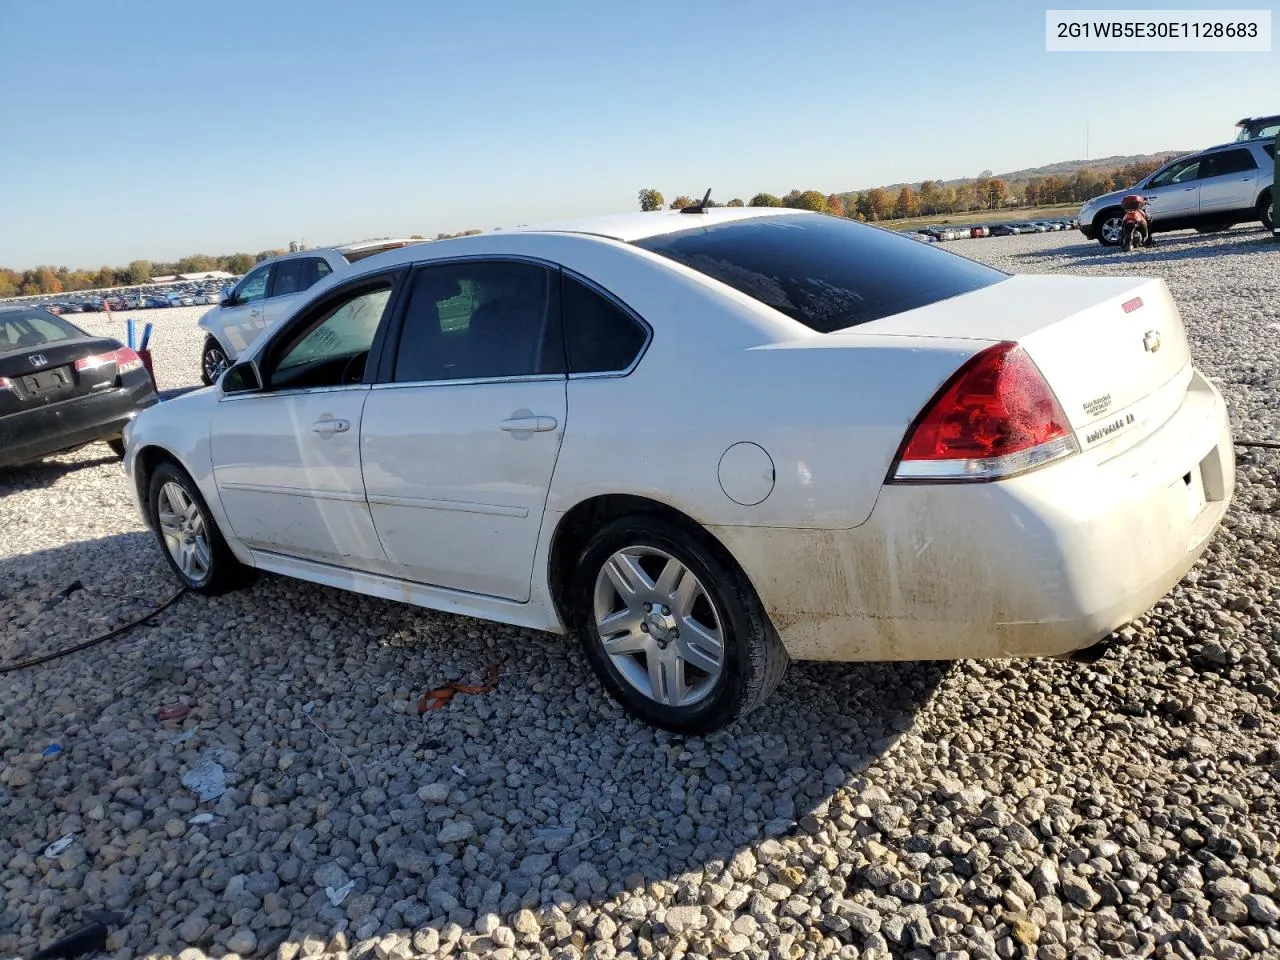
[
  {"x": 183, "y": 529},
  {"x": 1112, "y": 227},
  {"x": 659, "y": 626},
  {"x": 215, "y": 363}
]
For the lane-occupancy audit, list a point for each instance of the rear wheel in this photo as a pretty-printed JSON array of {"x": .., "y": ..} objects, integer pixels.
[
  {"x": 1108, "y": 227},
  {"x": 675, "y": 632},
  {"x": 190, "y": 539},
  {"x": 1129, "y": 237},
  {"x": 1266, "y": 211},
  {"x": 213, "y": 361}
]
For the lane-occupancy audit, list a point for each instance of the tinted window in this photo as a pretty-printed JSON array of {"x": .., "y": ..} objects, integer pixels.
[
  {"x": 1269, "y": 149},
  {"x": 1231, "y": 161},
  {"x": 478, "y": 320},
  {"x": 254, "y": 285},
  {"x": 25, "y": 329},
  {"x": 826, "y": 272},
  {"x": 332, "y": 346},
  {"x": 599, "y": 336},
  {"x": 289, "y": 278}
]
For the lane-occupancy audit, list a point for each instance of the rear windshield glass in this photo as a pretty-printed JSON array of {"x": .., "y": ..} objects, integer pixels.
[
  {"x": 826, "y": 272},
  {"x": 24, "y": 329}
]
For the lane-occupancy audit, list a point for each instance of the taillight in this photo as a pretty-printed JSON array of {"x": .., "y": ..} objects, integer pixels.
[
  {"x": 125, "y": 360},
  {"x": 6, "y": 383},
  {"x": 995, "y": 417}
]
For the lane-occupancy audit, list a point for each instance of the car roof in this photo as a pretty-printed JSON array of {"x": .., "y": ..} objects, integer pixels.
[
  {"x": 1234, "y": 144},
  {"x": 628, "y": 227}
]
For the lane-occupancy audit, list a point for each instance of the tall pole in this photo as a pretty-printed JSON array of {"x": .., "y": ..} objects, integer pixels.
[{"x": 1086, "y": 140}]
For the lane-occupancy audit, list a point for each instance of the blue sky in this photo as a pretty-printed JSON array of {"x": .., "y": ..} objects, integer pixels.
[{"x": 153, "y": 130}]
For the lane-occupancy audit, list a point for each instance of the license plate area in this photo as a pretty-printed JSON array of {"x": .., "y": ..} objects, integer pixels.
[{"x": 46, "y": 381}]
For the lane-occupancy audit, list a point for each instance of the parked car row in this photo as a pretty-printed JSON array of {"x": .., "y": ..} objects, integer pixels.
[
  {"x": 940, "y": 234},
  {"x": 149, "y": 298}
]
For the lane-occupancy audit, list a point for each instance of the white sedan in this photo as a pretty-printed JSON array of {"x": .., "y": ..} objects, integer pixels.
[{"x": 708, "y": 443}]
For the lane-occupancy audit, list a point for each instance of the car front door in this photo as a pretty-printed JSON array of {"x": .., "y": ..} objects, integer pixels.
[
  {"x": 286, "y": 451},
  {"x": 1176, "y": 190},
  {"x": 460, "y": 436},
  {"x": 241, "y": 319},
  {"x": 1230, "y": 184}
]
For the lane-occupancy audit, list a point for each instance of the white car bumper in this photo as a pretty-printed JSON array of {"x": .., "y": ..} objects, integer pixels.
[{"x": 1039, "y": 565}]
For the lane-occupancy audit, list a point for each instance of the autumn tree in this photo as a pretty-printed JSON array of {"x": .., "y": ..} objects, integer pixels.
[
  {"x": 765, "y": 200},
  {"x": 735, "y": 202},
  {"x": 239, "y": 263},
  {"x": 806, "y": 200},
  {"x": 835, "y": 204},
  {"x": 680, "y": 202},
  {"x": 927, "y": 202},
  {"x": 651, "y": 200},
  {"x": 877, "y": 203},
  {"x": 906, "y": 203},
  {"x": 997, "y": 193},
  {"x": 10, "y": 280}
]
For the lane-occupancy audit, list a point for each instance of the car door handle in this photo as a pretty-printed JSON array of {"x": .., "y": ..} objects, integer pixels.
[
  {"x": 328, "y": 427},
  {"x": 529, "y": 424}
]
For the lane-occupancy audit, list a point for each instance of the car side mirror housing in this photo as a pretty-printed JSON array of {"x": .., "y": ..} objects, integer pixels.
[{"x": 243, "y": 377}]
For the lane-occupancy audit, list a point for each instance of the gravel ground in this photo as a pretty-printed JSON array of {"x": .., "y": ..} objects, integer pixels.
[{"x": 1125, "y": 808}]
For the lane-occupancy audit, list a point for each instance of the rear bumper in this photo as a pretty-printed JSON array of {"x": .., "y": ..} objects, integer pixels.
[
  {"x": 1039, "y": 565},
  {"x": 37, "y": 433}
]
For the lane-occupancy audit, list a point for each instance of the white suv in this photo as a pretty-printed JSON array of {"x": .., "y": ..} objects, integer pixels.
[{"x": 267, "y": 292}]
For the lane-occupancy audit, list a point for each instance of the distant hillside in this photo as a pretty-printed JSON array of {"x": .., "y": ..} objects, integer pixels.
[{"x": 1062, "y": 170}]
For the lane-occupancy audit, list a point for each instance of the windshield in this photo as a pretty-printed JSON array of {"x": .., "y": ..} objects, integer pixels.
[
  {"x": 27, "y": 329},
  {"x": 827, "y": 272}
]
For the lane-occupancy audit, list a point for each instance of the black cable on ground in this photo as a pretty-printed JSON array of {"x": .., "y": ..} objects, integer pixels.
[
  {"x": 111, "y": 634},
  {"x": 1261, "y": 444}
]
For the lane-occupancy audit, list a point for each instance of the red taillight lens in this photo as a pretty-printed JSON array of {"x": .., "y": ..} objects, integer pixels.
[
  {"x": 996, "y": 417},
  {"x": 6, "y": 383},
  {"x": 125, "y": 360}
]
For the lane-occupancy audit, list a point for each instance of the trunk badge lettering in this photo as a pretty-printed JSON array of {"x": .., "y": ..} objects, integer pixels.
[{"x": 1151, "y": 341}]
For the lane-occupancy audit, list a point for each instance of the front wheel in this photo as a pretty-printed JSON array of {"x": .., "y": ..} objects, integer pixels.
[
  {"x": 1108, "y": 227},
  {"x": 674, "y": 631},
  {"x": 190, "y": 539},
  {"x": 1129, "y": 238},
  {"x": 213, "y": 362}
]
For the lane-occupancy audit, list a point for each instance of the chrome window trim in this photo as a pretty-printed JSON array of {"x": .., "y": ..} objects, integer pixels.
[
  {"x": 470, "y": 381},
  {"x": 300, "y": 391}
]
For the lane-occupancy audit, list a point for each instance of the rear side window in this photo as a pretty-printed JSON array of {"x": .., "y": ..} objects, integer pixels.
[
  {"x": 826, "y": 272},
  {"x": 599, "y": 336},
  {"x": 288, "y": 277},
  {"x": 1231, "y": 161}
]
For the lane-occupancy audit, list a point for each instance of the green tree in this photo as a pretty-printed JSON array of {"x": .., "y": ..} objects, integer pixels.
[
  {"x": 735, "y": 202},
  {"x": 651, "y": 200},
  {"x": 680, "y": 202},
  {"x": 764, "y": 200},
  {"x": 139, "y": 271},
  {"x": 806, "y": 200},
  {"x": 197, "y": 263},
  {"x": 106, "y": 277},
  {"x": 239, "y": 263}
]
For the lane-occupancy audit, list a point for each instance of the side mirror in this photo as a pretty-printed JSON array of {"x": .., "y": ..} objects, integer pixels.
[{"x": 242, "y": 377}]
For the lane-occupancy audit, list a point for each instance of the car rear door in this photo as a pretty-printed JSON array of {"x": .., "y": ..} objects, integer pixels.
[
  {"x": 286, "y": 456},
  {"x": 461, "y": 435},
  {"x": 1230, "y": 183}
]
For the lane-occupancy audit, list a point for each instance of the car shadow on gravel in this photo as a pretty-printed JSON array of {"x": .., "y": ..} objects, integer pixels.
[
  {"x": 538, "y": 794},
  {"x": 1167, "y": 247},
  {"x": 45, "y": 473}
]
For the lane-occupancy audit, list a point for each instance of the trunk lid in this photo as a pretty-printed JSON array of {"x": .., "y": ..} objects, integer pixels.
[
  {"x": 1113, "y": 349},
  {"x": 46, "y": 374}
]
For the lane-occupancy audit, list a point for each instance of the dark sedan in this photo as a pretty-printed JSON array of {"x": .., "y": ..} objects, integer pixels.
[{"x": 60, "y": 388}]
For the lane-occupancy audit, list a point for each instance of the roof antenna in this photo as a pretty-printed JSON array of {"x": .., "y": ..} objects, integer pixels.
[{"x": 701, "y": 206}]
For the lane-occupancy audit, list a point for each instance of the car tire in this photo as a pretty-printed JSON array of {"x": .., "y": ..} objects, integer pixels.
[
  {"x": 188, "y": 536},
  {"x": 1107, "y": 227},
  {"x": 213, "y": 361},
  {"x": 699, "y": 689},
  {"x": 1266, "y": 210}
]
